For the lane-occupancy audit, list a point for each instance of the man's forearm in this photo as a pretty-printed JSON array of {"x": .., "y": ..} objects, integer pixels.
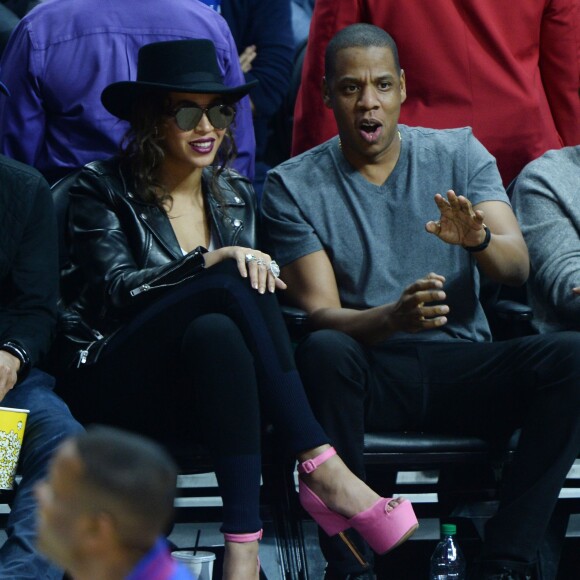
[
  {"x": 367, "y": 326},
  {"x": 505, "y": 260}
]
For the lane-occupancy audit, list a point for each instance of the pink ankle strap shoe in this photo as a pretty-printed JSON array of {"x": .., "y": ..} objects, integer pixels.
[
  {"x": 383, "y": 530},
  {"x": 310, "y": 465}
]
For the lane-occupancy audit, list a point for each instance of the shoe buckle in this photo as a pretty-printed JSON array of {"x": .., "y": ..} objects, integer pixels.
[{"x": 308, "y": 466}]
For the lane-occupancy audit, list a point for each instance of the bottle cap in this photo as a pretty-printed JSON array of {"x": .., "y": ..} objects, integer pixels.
[{"x": 448, "y": 529}]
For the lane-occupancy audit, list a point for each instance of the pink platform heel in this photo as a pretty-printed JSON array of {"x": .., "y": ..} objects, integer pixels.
[{"x": 383, "y": 530}]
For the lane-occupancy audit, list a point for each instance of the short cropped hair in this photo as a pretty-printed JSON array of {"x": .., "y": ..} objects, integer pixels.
[
  {"x": 130, "y": 476},
  {"x": 358, "y": 35}
]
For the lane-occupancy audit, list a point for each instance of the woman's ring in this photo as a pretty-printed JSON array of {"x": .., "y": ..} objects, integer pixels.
[
  {"x": 260, "y": 262},
  {"x": 250, "y": 258},
  {"x": 274, "y": 268}
]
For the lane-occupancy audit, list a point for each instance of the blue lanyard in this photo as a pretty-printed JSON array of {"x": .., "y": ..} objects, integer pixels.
[{"x": 214, "y": 4}]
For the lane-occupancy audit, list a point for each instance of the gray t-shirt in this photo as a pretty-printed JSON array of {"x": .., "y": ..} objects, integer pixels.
[
  {"x": 546, "y": 200},
  {"x": 375, "y": 235}
]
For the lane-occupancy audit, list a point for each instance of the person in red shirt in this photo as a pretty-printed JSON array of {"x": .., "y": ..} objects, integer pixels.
[{"x": 510, "y": 70}]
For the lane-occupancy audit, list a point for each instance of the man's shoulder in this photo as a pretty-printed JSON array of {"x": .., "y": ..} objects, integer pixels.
[
  {"x": 554, "y": 175},
  {"x": 554, "y": 159},
  {"x": 22, "y": 190},
  {"x": 305, "y": 162},
  {"x": 16, "y": 173},
  {"x": 457, "y": 147},
  {"x": 443, "y": 137},
  {"x": 46, "y": 25},
  {"x": 49, "y": 10}
]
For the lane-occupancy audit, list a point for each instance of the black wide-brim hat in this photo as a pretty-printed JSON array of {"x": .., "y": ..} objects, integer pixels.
[{"x": 181, "y": 66}]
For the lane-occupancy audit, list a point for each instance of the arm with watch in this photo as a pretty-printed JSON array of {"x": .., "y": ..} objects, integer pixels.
[
  {"x": 497, "y": 245},
  {"x": 28, "y": 275},
  {"x": 14, "y": 365}
]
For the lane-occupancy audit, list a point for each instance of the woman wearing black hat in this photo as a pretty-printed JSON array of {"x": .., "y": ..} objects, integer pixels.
[{"x": 175, "y": 325}]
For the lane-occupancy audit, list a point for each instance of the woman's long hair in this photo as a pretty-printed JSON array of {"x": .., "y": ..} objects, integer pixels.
[{"x": 142, "y": 149}]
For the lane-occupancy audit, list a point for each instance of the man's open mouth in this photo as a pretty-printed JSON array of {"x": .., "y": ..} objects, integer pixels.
[{"x": 370, "y": 129}]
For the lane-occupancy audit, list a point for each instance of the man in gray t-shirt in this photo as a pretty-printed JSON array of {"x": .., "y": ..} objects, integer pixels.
[
  {"x": 381, "y": 234},
  {"x": 546, "y": 199},
  {"x": 373, "y": 234}
]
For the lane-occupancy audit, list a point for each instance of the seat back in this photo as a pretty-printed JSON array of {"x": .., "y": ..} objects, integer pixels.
[{"x": 60, "y": 199}]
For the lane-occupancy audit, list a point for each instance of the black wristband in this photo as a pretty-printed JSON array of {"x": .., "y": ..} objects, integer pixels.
[
  {"x": 483, "y": 244},
  {"x": 17, "y": 350}
]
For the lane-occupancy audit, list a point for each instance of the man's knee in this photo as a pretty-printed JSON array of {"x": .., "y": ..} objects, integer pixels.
[
  {"x": 327, "y": 348},
  {"x": 49, "y": 419},
  {"x": 561, "y": 355},
  {"x": 36, "y": 394},
  {"x": 555, "y": 362}
]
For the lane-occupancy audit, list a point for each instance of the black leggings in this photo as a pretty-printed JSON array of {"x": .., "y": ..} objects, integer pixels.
[{"x": 209, "y": 360}]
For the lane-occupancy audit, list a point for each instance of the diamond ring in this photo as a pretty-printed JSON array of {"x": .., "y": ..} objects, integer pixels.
[
  {"x": 274, "y": 268},
  {"x": 250, "y": 258}
]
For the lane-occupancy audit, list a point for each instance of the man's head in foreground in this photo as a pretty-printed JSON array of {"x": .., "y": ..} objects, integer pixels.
[{"x": 107, "y": 498}]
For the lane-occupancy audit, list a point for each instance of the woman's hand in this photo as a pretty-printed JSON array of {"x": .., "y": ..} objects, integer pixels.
[{"x": 258, "y": 266}]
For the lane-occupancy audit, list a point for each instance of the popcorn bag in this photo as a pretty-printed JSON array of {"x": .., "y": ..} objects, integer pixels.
[{"x": 12, "y": 423}]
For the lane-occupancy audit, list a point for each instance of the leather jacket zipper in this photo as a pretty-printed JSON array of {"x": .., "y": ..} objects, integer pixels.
[
  {"x": 145, "y": 287},
  {"x": 101, "y": 341},
  {"x": 140, "y": 289},
  {"x": 149, "y": 286},
  {"x": 83, "y": 354}
]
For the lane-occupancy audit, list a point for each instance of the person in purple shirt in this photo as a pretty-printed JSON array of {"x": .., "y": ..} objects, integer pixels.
[
  {"x": 57, "y": 66},
  {"x": 104, "y": 506}
]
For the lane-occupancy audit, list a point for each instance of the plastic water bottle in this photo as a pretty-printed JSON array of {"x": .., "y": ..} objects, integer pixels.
[{"x": 447, "y": 561}]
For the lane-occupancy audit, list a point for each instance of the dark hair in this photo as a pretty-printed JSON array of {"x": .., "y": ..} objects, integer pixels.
[
  {"x": 133, "y": 474},
  {"x": 143, "y": 153},
  {"x": 359, "y": 35}
]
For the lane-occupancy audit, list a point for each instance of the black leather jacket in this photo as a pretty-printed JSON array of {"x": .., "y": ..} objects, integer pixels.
[{"x": 124, "y": 253}]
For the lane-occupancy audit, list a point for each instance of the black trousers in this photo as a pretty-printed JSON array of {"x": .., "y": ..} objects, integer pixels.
[
  {"x": 483, "y": 389},
  {"x": 209, "y": 361}
]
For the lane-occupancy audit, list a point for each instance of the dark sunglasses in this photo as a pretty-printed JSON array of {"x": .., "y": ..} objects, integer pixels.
[{"x": 188, "y": 117}]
